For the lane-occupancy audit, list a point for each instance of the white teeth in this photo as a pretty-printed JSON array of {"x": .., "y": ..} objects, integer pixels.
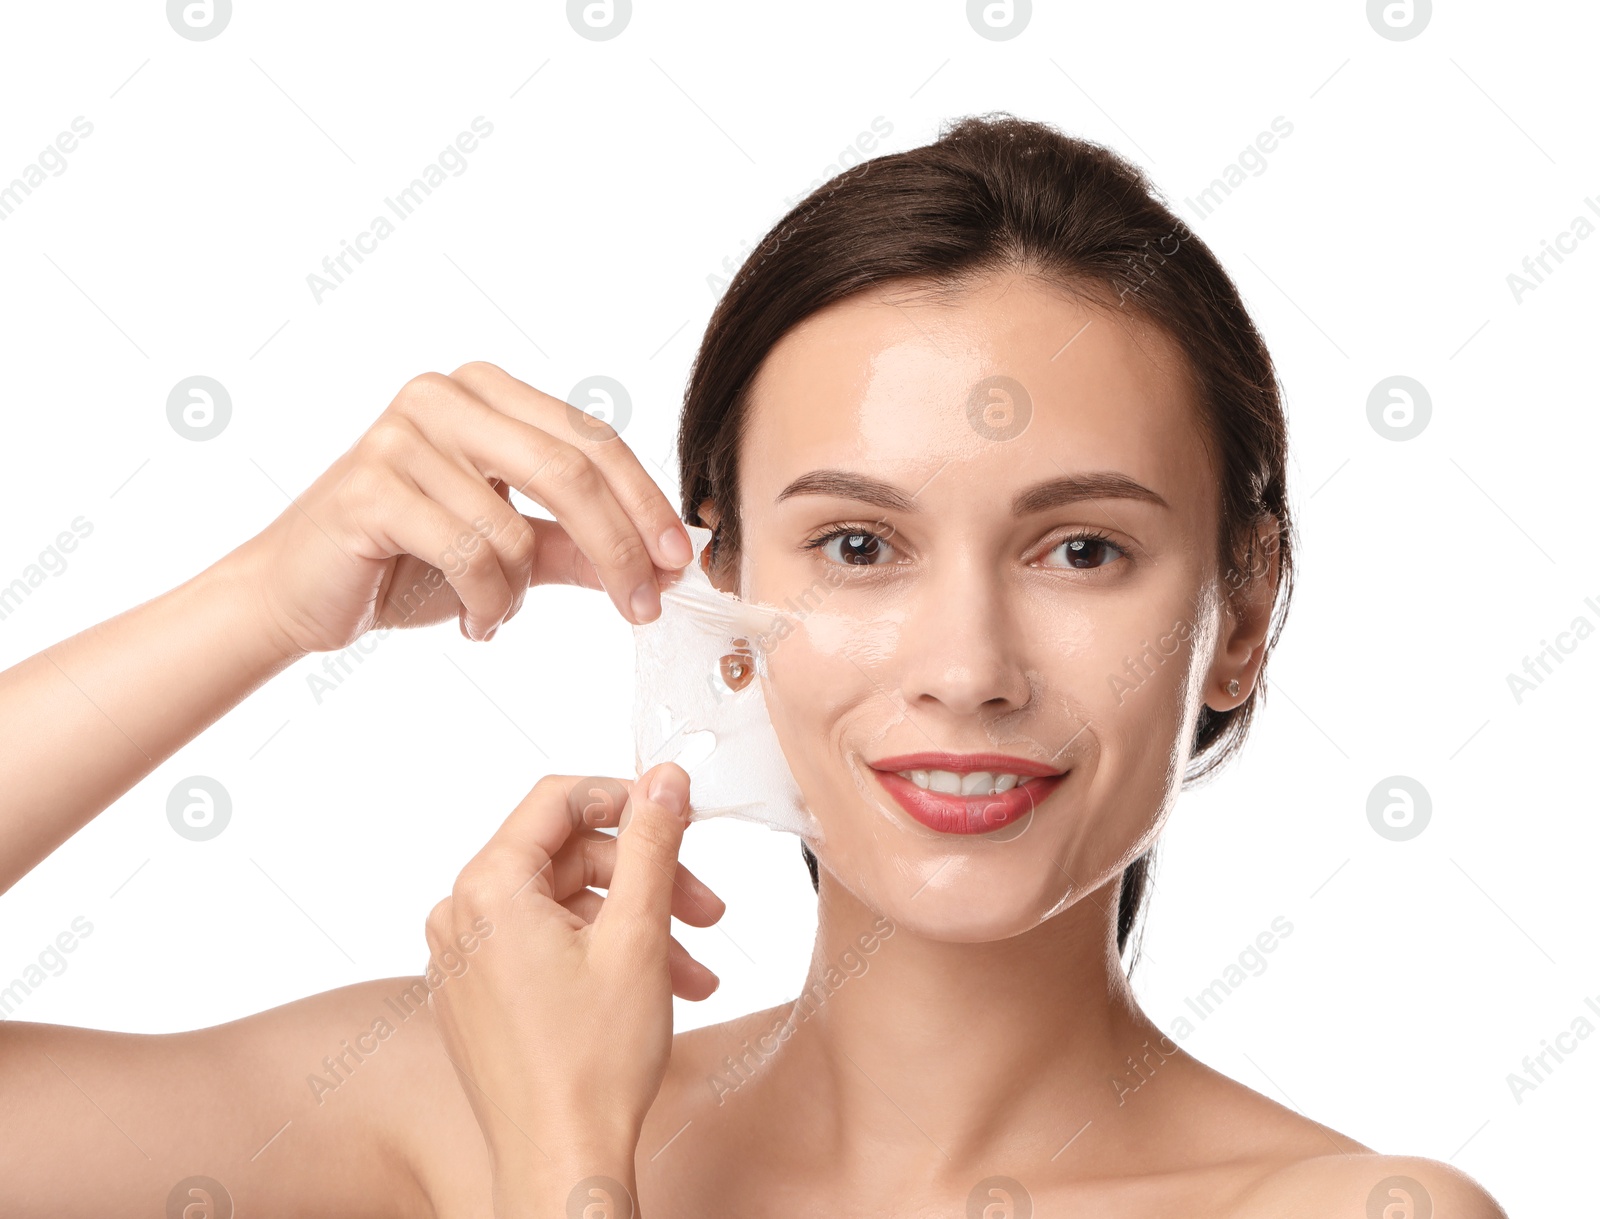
[{"x": 977, "y": 783}]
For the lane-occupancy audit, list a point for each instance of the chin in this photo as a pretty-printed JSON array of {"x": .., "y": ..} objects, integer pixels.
[
  {"x": 955, "y": 898},
  {"x": 955, "y": 923}
]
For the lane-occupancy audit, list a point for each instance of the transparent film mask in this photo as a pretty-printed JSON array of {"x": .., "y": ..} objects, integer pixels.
[{"x": 698, "y": 701}]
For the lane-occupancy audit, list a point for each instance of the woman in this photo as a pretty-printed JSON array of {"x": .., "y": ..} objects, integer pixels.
[{"x": 1008, "y": 414}]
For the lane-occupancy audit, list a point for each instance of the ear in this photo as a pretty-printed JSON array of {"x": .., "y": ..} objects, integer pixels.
[
  {"x": 1249, "y": 593},
  {"x": 723, "y": 574}
]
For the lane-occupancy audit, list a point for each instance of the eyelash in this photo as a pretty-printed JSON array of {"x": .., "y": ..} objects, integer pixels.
[{"x": 856, "y": 530}]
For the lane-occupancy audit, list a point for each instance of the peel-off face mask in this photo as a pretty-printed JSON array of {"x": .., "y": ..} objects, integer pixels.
[{"x": 698, "y": 701}]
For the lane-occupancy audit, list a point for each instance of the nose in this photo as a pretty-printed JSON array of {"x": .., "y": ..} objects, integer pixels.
[{"x": 961, "y": 652}]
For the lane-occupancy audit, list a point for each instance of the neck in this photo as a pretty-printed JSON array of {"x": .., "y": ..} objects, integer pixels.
[{"x": 909, "y": 1046}]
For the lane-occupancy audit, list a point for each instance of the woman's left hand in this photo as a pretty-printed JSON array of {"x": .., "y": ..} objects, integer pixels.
[{"x": 560, "y": 1022}]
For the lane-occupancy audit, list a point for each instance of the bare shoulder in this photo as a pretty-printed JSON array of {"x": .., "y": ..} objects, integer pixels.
[
  {"x": 1302, "y": 1169},
  {"x": 708, "y": 1042},
  {"x": 1368, "y": 1186},
  {"x": 329, "y": 1105},
  {"x": 713, "y": 1060}
]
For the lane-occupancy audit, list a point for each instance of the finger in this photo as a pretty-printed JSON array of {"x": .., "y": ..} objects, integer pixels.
[
  {"x": 637, "y": 492},
  {"x": 590, "y": 863},
  {"x": 437, "y": 927},
  {"x": 411, "y": 523},
  {"x": 413, "y": 592},
  {"x": 690, "y": 978},
  {"x": 522, "y": 852},
  {"x": 559, "y": 476},
  {"x": 557, "y": 559},
  {"x": 463, "y": 492},
  {"x": 640, "y": 900}
]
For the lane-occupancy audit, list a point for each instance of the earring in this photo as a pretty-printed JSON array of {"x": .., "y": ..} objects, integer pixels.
[
  {"x": 738, "y": 666},
  {"x": 1233, "y": 688}
]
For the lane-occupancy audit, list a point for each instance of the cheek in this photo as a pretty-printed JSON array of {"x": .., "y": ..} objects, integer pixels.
[
  {"x": 1111, "y": 675},
  {"x": 1141, "y": 670},
  {"x": 1135, "y": 678},
  {"x": 830, "y": 688},
  {"x": 1143, "y": 684}
]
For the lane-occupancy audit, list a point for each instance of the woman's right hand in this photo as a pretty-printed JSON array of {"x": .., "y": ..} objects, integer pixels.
[
  {"x": 414, "y": 523},
  {"x": 559, "y": 1023}
]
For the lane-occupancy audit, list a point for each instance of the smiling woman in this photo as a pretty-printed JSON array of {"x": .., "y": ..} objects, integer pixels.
[
  {"x": 974, "y": 716},
  {"x": 1003, "y": 250},
  {"x": 929, "y": 418}
]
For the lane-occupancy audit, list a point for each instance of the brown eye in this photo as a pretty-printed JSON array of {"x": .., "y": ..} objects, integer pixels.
[
  {"x": 1086, "y": 551},
  {"x": 856, "y": 549}
]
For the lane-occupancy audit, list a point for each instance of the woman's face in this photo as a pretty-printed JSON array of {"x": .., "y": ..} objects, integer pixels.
[{"x": 992, "y": 524}]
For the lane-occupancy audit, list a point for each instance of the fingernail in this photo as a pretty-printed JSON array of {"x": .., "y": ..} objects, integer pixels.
[
  {"x": 669, "y": 790},
  {"x": 645, "y": 602},
  {"x": 675, "y": 546}
]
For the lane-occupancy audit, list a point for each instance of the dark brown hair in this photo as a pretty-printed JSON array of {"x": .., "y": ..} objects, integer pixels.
[{"x": 995, "y": 194}]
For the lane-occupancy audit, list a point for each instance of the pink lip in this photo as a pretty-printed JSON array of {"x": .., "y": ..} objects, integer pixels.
[{"x": 955, "y": 814}]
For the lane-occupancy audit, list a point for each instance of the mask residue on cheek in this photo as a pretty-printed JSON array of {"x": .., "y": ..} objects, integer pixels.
[
  {"x": 869, "y": 643},
  {"x": 857, "y": 657}
]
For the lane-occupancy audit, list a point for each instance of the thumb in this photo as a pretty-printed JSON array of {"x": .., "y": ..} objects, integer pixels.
[{"x": 640, "y": 897}]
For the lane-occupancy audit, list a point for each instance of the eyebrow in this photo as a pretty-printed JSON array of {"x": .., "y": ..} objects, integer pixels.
[{"x": 1052, "y": 493}]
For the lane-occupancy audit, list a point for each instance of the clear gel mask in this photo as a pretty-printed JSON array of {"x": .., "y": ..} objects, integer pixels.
[{"x": 699, "y": 702}]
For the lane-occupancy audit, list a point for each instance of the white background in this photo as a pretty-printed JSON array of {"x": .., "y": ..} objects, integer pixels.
[{"x": 620, "y": 176}]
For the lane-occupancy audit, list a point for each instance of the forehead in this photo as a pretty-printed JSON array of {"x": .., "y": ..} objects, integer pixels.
[{"x": 1014, "y": 379}]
